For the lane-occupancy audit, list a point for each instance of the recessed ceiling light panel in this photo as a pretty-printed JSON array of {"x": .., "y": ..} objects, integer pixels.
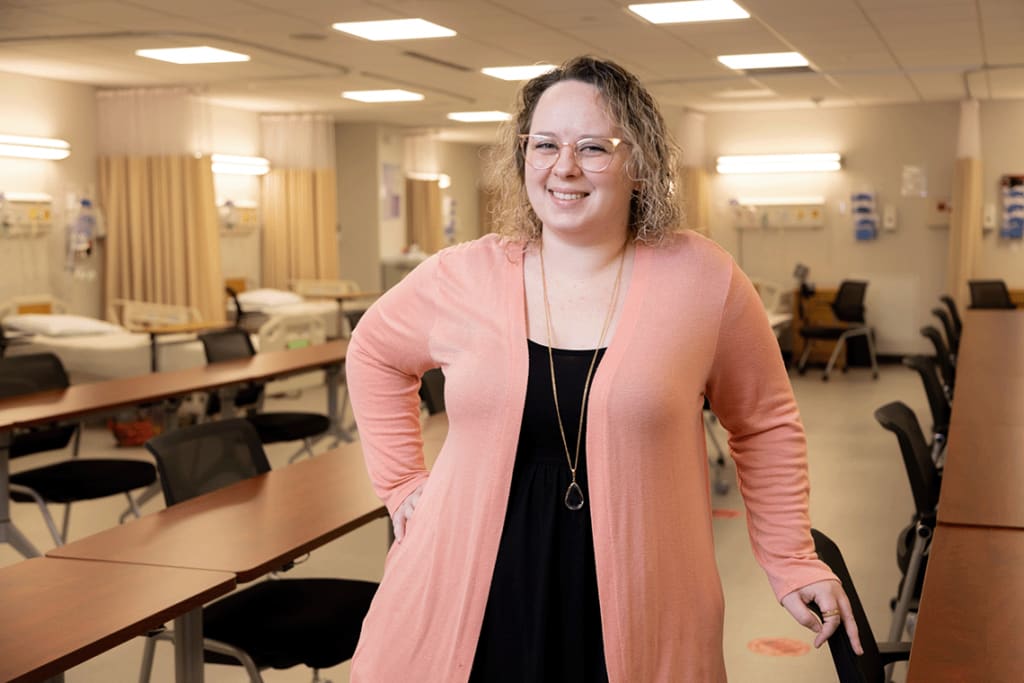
[
  {"x": 395, "y": 95},
  {"x": 764, "y": 60},
  {"x": 479, "y": 116},
  {"x": 689, "y": 12},
  {"x": 202, "y": 54},
  {"x": 394, "y": 29},
  {"x": 518, "y": 73}
]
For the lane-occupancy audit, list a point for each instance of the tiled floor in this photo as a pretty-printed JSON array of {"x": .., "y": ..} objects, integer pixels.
[{"x": 859, "y": 496}]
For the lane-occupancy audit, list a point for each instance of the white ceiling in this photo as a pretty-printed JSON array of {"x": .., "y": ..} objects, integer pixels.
[{"x": 862, "y": 51}]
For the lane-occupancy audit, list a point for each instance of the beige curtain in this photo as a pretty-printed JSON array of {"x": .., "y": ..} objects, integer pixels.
[
  {"x": 424, "y": 222},
  {"x": 300, "y": 217},
  {"x": 965, "y": 222},
  {"x": 162, "y": 232},
  {"x": 696, "y": 204}
]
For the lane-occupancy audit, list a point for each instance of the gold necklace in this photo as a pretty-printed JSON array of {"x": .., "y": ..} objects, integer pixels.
[{"x": 574, "y": 494}]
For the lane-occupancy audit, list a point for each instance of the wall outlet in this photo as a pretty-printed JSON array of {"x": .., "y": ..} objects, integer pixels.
[
  {"x": 889, "y": 218},
  {"x": 990, "y": 218}
]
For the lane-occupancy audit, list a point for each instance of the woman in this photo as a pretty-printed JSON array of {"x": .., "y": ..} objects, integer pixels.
[{"x": 564, "y": 533}]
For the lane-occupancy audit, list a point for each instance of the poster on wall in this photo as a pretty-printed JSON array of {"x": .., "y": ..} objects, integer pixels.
[{"x": 1012, "y": 191}]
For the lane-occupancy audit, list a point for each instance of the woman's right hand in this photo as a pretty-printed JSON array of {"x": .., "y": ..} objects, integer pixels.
[{"x": 405, "y": 511}]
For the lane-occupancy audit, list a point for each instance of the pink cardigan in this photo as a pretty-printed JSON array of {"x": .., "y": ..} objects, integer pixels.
[{"x": 691, "y": 324}]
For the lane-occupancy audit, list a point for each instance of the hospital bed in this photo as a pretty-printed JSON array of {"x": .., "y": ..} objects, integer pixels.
[{"x": 259, "y": 305}]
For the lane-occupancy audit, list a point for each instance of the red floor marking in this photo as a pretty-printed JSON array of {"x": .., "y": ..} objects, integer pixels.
[
  {"x": 778, "y": 647},
  {"x": 725, "y": 514}
]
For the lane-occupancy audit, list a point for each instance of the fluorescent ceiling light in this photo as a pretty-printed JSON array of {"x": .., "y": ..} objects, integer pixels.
[
  {"x": 203, "y": 54},
  {"x": 34, "y": 148},
  {"x": 382, "y": 95},
  {"x": 518, "y": 73},
  {"x": 779, "y": 163},
  {"x": 686, "y": 12},
  {"x": 781, "y": 201},
  {"x": 479, "y": 116},
  {"x": 744, "y": 94},
  {"x": 229, "y": 164},
  {"x": 394, "y": 29},
  {"x": 765, "y": 60}
]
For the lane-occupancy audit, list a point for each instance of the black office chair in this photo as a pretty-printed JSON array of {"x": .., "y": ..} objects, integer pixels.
[
  {"x": 850, "y": 667},
  {"x": 938, "y": 404},
  {"x": 952, "y": 337},
  {"x": 718, "y": 462},
  {"x": 432, "y": 390},
  {"x": 67, "y": 481},
  {"x": 848, "y": 309},
  {"x": 990, "y": 294},
  {"x": 274, "y": 427},
  {"x": 925, "y": 480},
  {"x": 954, "y": 313},
  {"x": 278, "y": 623},
  {"x": 946, "y": 368}
]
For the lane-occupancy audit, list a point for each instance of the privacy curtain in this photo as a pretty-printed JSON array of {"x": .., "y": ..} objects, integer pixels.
[
  {"x": 300, "y": 239},
  {"x": 965, "y": 222},
  {"x": 424, "y": 221},
  {"x": 694, "y": 193},
  {"x": 156, "y": 189}
]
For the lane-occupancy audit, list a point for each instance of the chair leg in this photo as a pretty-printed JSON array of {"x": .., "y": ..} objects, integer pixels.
[
  {"x": 65, "y": 523},
  {"x": 922, "y": 541},
  {"x": 720, "y": 485},
  {"x": 43, "y": 509},
  {"x": 801, "y": 365},
  {"x": 148, "y": 652},
  {"x": 835, "y": 356},
  {"x": 871, "y": 350}
]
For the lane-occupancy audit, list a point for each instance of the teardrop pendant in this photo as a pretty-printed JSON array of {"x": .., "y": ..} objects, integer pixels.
[{"x": 574, "y": 497}]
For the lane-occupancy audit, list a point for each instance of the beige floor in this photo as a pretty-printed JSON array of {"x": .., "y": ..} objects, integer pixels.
[{"x": 859, "y": 496}]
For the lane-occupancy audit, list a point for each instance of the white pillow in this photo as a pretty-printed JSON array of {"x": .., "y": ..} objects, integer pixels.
[
  {"x": 59, "y": 325},
  {"x": 267, "y": 298}
]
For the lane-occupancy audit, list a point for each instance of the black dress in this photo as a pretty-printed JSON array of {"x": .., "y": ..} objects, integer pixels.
[{"x": 543, "y": 618}]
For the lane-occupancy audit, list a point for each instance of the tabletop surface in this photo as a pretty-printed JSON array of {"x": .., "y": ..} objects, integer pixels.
[
  {"x": 983, "y": 482},
  {"x": 255, "y": 526},
  {"x": 69, "y": 611},
  {"x": 971, "y": 623},
  {"x": 248, "y": 528},
  {"x": 81, "y": 399}
]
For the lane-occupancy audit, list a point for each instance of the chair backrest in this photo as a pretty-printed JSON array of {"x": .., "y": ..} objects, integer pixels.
[
  {"x": 947, "y": 324},
  {"x": 20, "y": 375},
  {"x": 917, "y": 460},
  {"x": 989, "y": 294},
  {"x": 228, "y": 344},
  {"x": 432, "y": 390},
  {"x": 848, "y": 305},
  {"x": 925, "y": 366},
  {"x": 941, "y": 356},
  {"x": 850, "y": 667},
  {"x": 954, "y": 313},
  {"x": 205, "y": 457}
]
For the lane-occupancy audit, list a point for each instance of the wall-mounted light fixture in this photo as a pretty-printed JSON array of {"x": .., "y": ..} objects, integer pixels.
[
  {"x": 780, "y": 163},
  {"x": 34, "y": 148},
  {"x": 443, "y": 180},
  {"x": 229, "y": 164}
]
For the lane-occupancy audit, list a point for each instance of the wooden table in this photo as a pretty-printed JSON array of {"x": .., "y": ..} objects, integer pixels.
[
  {"x": 59, "y": 613},
  {"x": 983, "y": 482},
  {"x": 971, "y": 623},
  {"x": 80, "y": 400},
  {"x": 248, "y": 528},
  {"x": 156, "y": 331},
  {"x": 970, "y": 626}
]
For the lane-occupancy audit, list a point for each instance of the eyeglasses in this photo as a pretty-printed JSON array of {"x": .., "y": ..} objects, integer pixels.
[{"x": 591, "y": 154}]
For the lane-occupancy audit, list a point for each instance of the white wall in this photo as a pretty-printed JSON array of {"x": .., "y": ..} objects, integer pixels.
[
  {"x": 43, "y": 108},
  {"x": 906, "y": 268},
  {"x": 1002, "y": 152}
]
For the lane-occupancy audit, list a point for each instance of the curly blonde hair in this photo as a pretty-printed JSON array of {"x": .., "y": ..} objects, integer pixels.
[{"x": 654, "y": 212}]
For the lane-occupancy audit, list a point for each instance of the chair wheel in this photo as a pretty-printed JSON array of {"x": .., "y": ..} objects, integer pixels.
[
  {"x": 801, "y": 371},
  {"x": 824, "y": 378},
  {"x": 874, "y": 375},
  {"x": 721, "y": 487}
]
